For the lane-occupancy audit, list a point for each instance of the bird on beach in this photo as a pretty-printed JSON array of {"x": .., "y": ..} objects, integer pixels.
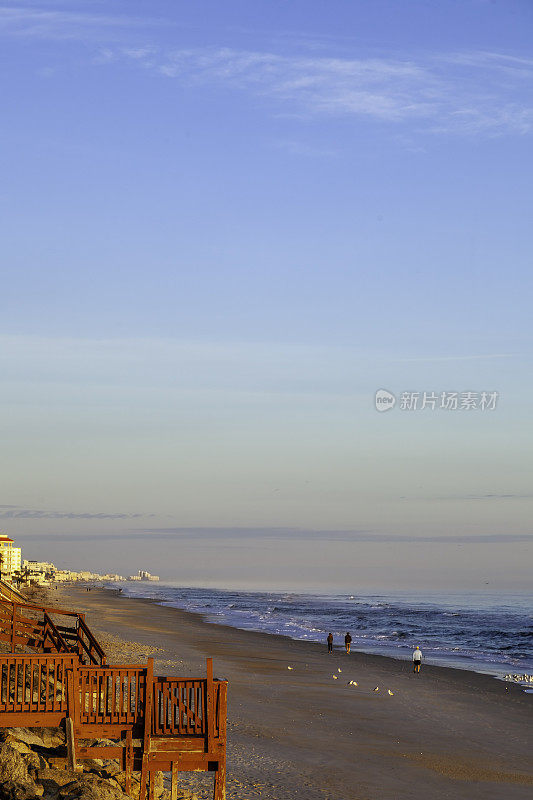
[
  {"x": 389, "y": 691},
  {"x": 353, "y": 683},
  {"x": 335, "y": 677},
  {"x": 376, "y": 689},
  {"x": 339, "y": 669},
  {"x": 290, "y": 667}
]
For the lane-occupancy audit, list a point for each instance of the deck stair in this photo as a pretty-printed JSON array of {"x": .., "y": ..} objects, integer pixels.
[
  {"x": 172, "y": 724},
  {"x": 48, "y": 630}
]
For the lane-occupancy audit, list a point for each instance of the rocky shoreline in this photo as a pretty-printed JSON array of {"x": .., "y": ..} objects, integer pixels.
[{"x": 33, "y": 764}]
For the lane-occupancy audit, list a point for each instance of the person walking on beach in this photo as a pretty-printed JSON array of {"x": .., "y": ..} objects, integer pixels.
[
  {"x": 347, "y": 642},
  {"x": 417, "y": 659},
  {"x": 330, "y": 643}
]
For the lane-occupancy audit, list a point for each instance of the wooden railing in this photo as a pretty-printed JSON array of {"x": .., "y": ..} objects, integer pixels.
[
  {"x": 179, "y": 707},
  {"x": 88, "y": 647},
  {"x": 38, "y": 627},
  {"x": 111, "y": 695},
  {"x": 33, "y": 689},
  {"x": 8, "y": 592},
  {"x": 179, "y": 722}
]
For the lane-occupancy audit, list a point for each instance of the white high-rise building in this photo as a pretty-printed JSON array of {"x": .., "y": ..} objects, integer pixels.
[{"x": 10, "y": 557}]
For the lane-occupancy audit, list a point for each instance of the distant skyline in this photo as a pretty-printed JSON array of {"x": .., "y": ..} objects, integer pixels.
[{"x": 225, "y": 226}]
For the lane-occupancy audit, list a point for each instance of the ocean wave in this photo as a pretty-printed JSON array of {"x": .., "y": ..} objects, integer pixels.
[{"x": 449, "y": 630}]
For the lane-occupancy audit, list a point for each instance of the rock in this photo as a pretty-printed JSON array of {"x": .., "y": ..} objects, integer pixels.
[
  {"x": 104, "y": 743},
  {"x": 159, "y": 787},
  {"x": 15, "y": 781},
  {"x": 120, "y": 778},
  {"x": 22, "y": 747},
  {"x": 91, "y": 787},
  {"x": 52, "y": 780},
  {"x": 91, "y": 764},
  {"x": 25, "y": 735},
  {"x": 53, "y": 737},
  {"x": 49, "y": 738},
  {"x": 111, "y": 768}
]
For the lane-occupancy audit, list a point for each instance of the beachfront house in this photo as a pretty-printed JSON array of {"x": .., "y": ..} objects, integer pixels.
[{"x": 10, "y": 557}]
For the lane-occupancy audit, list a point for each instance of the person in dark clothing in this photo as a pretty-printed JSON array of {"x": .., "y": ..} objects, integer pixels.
[
  {"x": 330, "y": 643},
  {"x": 347, "y": 642}
]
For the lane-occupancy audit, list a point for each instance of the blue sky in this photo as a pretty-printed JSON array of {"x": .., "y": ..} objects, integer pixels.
[{"x": 224, "y": 227}]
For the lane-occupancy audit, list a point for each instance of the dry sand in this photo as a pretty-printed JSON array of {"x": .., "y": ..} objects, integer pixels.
[{"x": 445, "y": 733}]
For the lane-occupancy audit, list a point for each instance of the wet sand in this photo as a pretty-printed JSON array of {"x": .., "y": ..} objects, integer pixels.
[{"x": 445, "y": 733}]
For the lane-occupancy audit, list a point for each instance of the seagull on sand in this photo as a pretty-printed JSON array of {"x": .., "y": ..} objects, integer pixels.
[
  {"x": 290, "y": 667},
  {"x": 335, "y": 677},
  {"x": 389, "y": 691},
  {"x": 353, "y": 683},
  {"x": 376, "y": 689},
  {"x": 339, "y": 669}
]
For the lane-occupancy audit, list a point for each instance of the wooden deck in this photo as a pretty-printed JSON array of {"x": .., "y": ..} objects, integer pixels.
[
  {"x": 172, "y": 724},
  {"x": 48, "y": 630}
]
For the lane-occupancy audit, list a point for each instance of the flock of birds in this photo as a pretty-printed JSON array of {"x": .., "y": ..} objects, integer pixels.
[
  {"x": 525, "y": 678},
  {"x": 354, "y": 683}
]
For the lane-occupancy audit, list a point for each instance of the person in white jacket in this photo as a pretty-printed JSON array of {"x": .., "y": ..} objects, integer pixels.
[{"x": 417, "y": 659}]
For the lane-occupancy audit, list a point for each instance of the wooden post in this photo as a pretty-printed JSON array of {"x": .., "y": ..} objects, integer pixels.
[
  {"x": 13, "y": 623},
  {"x": 210, "y": 706},
  {"x": 128, "y": 758},
  {"x": 148, "y": 699},
  {"x": 222, "y": 712},
  {"x": 71, "y": 744},
  {"x": 174, "y": 784},
  {"x": 219, "y": 792},
  {"x": 220, "y": 775},
  {"x": 73, "y": 713}
]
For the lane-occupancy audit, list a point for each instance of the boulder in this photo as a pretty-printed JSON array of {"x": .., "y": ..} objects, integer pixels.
[
  {"x": 52, "y": 780},
  {"x": 15, "y": 781},
  {"x": 91, "y": 787},
  {"x": 22, "y": 747},
  {"x": 25, "y": 735},
  {"x": 159, "y": 791},
  {"x": 53, "y": 737},
  {"x": 49, "y": 738}
]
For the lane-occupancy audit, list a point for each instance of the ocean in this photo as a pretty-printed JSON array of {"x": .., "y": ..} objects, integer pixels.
[{"x": 484, "y": 633}]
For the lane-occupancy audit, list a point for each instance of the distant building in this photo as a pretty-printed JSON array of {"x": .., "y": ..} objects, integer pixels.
[
  {"x": 10, "y": 557},
  {"x": 41, "y": 572},
  {"x": 143, "y": 576},
  {"x": 44, "y": 567}
]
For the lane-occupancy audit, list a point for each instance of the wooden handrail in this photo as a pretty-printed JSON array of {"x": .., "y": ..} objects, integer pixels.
[
  {"x": 48, "y": 609},
  {"x": 60, "y": 644},
  {"x": 93, "y": 643}
]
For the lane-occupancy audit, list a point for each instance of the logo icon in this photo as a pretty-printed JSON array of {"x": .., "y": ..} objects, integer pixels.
[{"x": 384, "y": 400}]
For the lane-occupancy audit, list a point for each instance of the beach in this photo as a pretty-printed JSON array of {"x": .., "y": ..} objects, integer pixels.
[{"x": 298, "y": 733}]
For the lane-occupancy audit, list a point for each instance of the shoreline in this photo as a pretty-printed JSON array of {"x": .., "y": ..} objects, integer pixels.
[
  {"x": 496, "y": 670},
  {"x": 447, "y": 732}
]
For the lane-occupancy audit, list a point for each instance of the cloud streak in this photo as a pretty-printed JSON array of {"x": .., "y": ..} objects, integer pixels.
[
  {"x": 468, "y": 94},
  {"x": 15, "y": 512},
  {"x": 56, "y": 24},
  {"x": 305, "y": 535}
]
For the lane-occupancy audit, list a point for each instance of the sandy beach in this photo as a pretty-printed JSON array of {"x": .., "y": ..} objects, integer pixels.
[{"x": 445, "y": 733}]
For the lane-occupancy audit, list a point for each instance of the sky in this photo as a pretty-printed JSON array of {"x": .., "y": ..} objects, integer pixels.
[{"x": 225, "y": 226}]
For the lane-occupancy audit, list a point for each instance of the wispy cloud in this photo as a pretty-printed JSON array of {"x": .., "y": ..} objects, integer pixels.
[
  {"x": 15, "y": 512},
  {"x": 56, "y": 23},
  {"x": 488, "y": 496},
  {"x": 367, "y": 536},
  {"x": 476, "y": 93},
  {"x": 303, "y": 535}
]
